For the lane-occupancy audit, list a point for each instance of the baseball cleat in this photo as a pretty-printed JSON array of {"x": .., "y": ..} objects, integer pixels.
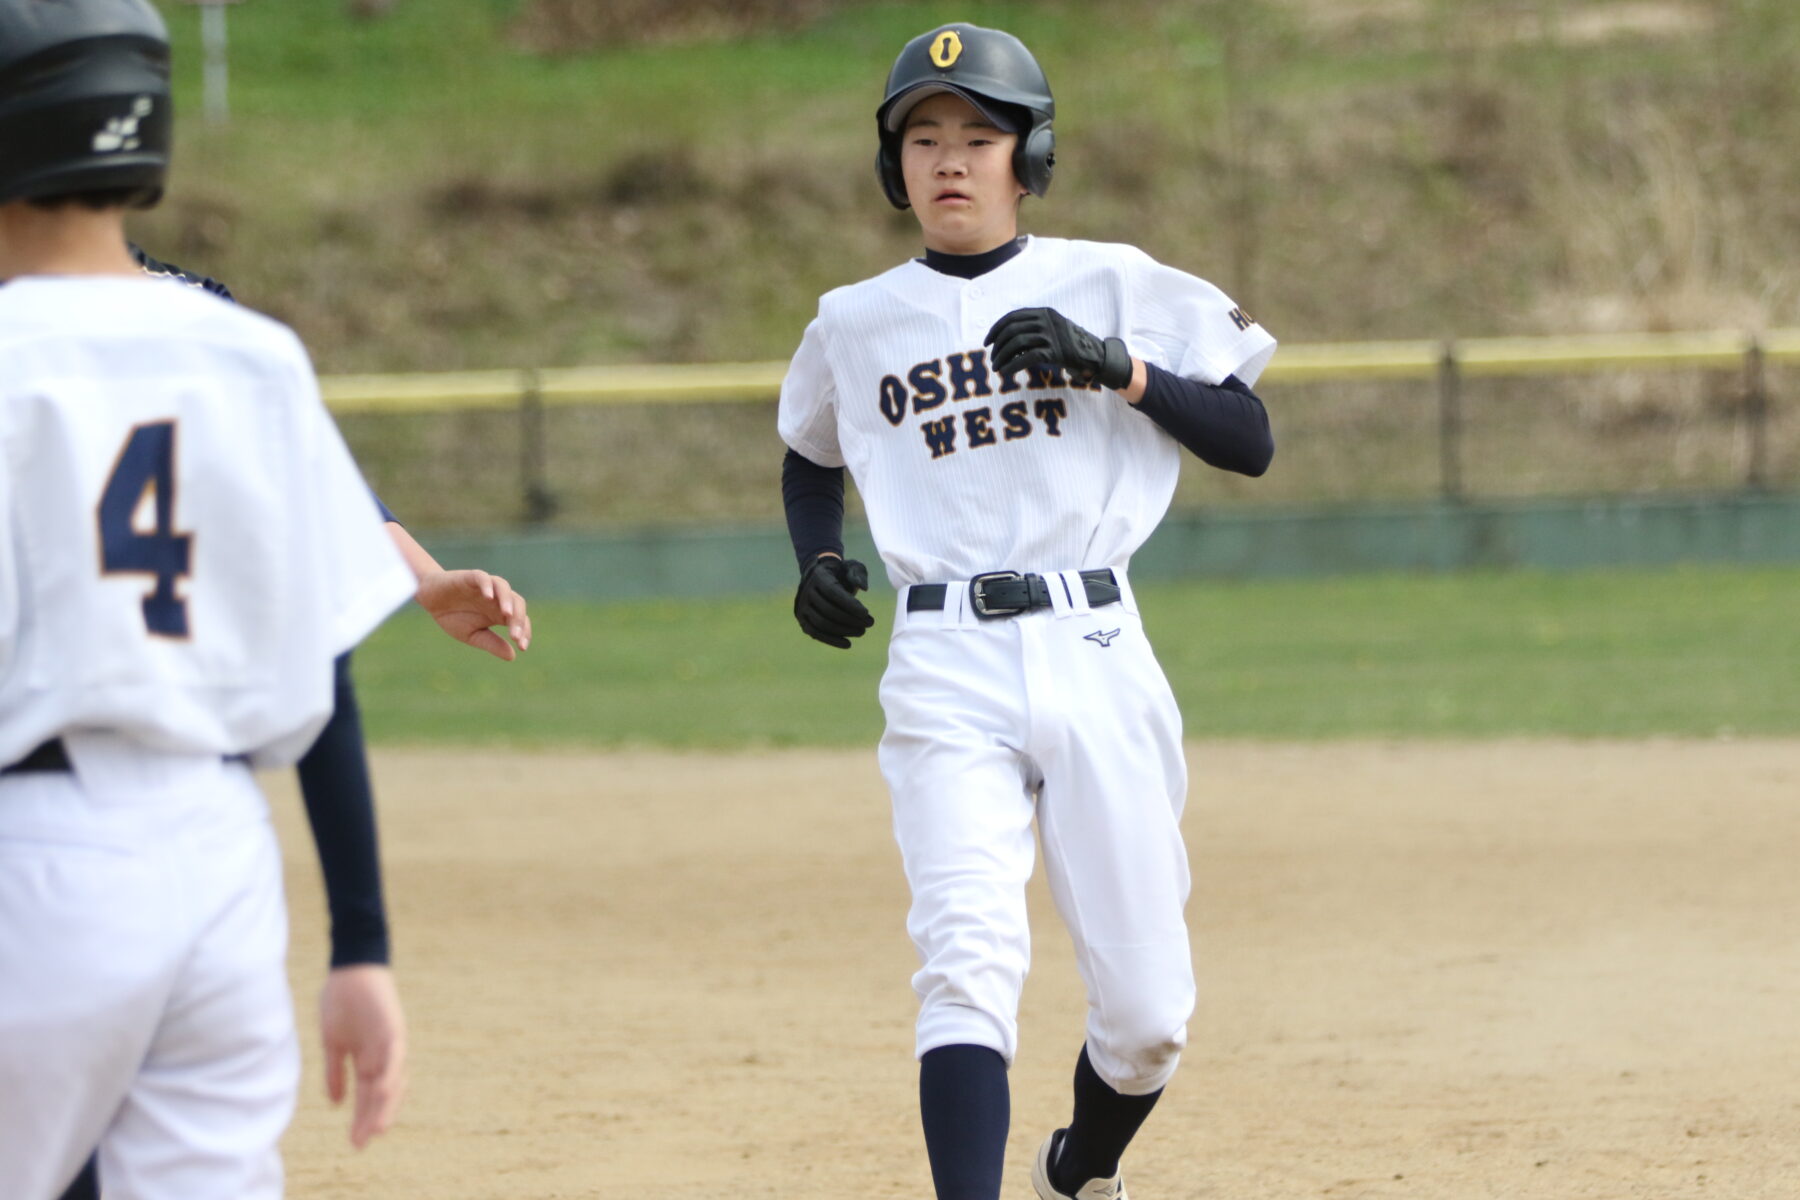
[{"x": 1093, "y": 1189}]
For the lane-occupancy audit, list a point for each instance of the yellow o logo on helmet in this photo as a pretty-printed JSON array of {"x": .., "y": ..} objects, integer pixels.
[{"x": 946, "y": 48}]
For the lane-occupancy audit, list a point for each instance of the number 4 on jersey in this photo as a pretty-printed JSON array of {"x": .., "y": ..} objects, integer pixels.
[{"x": 144, "y": 478}]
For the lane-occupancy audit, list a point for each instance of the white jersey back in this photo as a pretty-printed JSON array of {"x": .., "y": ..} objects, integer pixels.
[
  {"x": 962, "y": 470},
  {"x": 185, "y": 542}
]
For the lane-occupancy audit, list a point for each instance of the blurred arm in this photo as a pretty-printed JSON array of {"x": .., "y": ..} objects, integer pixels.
[
  {"x": 465, "y": 603},
  {"x": 340, "y": 807}
]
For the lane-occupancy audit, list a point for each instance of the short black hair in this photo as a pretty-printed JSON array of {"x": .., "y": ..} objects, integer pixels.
[{"x": 97, "y": 200}]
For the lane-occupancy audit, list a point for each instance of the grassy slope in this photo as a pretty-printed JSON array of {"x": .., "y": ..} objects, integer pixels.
[
  {"x": 615, "y": 194},
  {"x": 1683, "y": 653},
  {"x": 1405, "y": 176}
]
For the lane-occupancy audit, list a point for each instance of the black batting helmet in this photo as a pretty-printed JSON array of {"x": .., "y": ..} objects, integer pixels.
[
  {"x": 986, "y": 67},
  {"x": 84, "y": 99}
]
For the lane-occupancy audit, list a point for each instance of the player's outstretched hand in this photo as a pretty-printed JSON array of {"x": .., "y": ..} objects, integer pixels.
[
  {"x": 826, "y": 605},
  {"x": 469, "y": 603},
  {"x": 360, "y": 1020},
  {"x": 1043, "y": 337}
]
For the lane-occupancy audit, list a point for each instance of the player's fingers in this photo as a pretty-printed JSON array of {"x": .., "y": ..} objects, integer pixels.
[
  {"x": 855, "y": 626},
  {"x": 1020, "y": 351},
  {"x": 824, "y": 630},
  {"x": 1011, "y": 366},
  {"x": 502, "y": 595},
  {"x": 1010, "y": 373},
  {"x": 1011, "y": 323},
  {"x": 334, "y": 1074},
  {"x": 520, "y": 629},
  {"x": 493, "y": 643},
  {"x": 835, "y": 603},
  {"x": 836, "y": 624},
  {"x": 378, "y": 1095},
  {"x": 1027, "y": 341},
  {"x": 841, "y": 627},
  {"x": 832, "y": 589}
]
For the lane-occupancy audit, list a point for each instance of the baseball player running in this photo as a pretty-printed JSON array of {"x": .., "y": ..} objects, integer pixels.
[
  {"x": 168, "y": 616},
  {"x": 1012, "y": 410}
]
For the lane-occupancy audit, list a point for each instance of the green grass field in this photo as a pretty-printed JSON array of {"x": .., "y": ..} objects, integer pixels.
[{"x": 1684, "y": 653}]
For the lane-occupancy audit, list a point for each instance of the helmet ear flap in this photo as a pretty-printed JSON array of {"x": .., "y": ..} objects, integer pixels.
[
  {"x": 887, "y": 169},
  {"x": 1034, "y": 159}
]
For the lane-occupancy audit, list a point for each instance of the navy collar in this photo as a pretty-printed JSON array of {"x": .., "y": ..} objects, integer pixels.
[{"x": 972, "y": 266}]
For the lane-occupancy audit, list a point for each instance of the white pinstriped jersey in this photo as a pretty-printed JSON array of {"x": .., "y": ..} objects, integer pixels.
[
  {"x": 185, "y": 542},
  {"x": 962, "y": 470}
]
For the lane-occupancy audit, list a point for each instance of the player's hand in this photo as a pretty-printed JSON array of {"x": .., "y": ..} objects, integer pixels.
[
  {"x": 469, "y": 603},
  {"x": 826, "y": 605},
  {"x": 360, "y": 1019},
  {"x": 1043, "y": 337}
]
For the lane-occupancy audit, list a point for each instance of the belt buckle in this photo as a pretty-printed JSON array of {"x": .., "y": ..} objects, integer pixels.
[{"x": 978, "y": 594}]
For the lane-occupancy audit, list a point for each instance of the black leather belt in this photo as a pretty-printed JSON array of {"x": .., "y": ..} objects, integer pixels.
[
  {"x": 46, "y": 758},
  {"x": 1008, "y": 593},
  {"x": 52, "y": 757}
]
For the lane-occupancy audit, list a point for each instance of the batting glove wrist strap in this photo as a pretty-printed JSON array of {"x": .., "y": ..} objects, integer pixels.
[{"x": 1115, "y": 369}]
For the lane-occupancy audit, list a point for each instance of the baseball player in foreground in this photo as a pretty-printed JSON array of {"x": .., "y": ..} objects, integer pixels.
[
  {"x": 468, "y": 604},
  {"x": 1012, "y": 410},
  {"x": 169, "y": 616}
]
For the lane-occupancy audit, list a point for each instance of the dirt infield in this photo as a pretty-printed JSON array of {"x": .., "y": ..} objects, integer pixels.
[{"x": 1510, "y": 969}]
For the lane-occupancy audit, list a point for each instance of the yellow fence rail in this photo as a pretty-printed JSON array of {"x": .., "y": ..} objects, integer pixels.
[
  {"x": 531, "y": 390},
  {"x": 443, "y": 391},
  {"x": 715, "y": 383}
]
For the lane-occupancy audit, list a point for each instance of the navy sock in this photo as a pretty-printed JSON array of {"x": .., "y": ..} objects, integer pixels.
[
  {"x": 966, "y": 1107},
  {"x": 1104, "y": 1125},
  {"x": 87, "y": 1184}
]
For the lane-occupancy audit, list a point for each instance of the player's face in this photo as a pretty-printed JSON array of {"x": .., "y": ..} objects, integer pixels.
[{"x": 959, "y": 176}]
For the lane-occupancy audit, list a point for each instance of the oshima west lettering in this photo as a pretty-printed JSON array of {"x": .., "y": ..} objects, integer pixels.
[{"x": 966, "y": 376}]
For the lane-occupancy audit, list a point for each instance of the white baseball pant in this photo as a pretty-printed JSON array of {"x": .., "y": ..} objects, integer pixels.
[
  {"x": 1063, "y": 714},
  {"x": 144, "y": 1003}
]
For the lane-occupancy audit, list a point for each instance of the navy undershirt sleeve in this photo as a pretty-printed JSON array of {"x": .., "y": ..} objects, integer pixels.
[
  {"x": 386, "y": 515},
  {"x": 340, "y": 806},
  {"x": 814, "y": 499},
  {"x": 1226, "y": 426}
]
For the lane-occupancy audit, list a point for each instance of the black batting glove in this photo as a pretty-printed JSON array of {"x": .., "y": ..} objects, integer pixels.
[
  {"x": 1043, "y": 337},
  {"x": 826, "y": 605}
]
